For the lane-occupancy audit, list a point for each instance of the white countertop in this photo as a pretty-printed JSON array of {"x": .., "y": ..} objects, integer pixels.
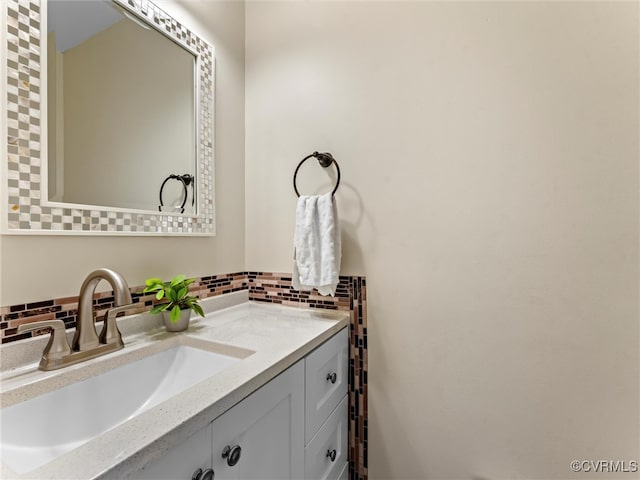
[{"x": 279, "y": 336}]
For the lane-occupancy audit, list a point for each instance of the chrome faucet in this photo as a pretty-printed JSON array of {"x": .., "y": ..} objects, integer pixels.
[
  {"x": 86, "y": 343},
  {"x": 86, "y": 337}
]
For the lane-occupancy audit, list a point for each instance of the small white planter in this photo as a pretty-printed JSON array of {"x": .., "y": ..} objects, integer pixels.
[{"x": 182, "y": 323}]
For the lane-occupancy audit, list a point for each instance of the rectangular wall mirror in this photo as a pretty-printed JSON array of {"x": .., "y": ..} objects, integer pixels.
[{"x": 119, "y": 133}]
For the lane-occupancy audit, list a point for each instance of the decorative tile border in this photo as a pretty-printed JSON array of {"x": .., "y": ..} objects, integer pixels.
[
  {"x": 265, "y": 287},
  {"x": 25, "y": 211}
]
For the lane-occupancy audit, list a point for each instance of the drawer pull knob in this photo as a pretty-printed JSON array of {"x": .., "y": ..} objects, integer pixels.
[
  {"x": 332, "y": 377},
  {"x": 332, "y": 455},
  {"x": 208, "y": 474},
  {"x": 232, "y": 454}
]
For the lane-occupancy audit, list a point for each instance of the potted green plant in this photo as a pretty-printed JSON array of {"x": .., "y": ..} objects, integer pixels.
[{"x": 177, "y": 311}]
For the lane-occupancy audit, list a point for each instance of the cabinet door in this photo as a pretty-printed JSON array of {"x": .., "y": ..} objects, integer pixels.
[
  {"x": 181, "y": 461},
  {"x": 266, "y": 429}
]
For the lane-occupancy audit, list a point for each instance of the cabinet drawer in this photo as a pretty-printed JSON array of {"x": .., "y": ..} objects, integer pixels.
[
  {"x": 326, "y": 380},
  {"x": 332, "y": 437},
  {"x": 344, "y": 474}
]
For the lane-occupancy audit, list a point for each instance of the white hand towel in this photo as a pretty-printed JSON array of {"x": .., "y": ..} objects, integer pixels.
[{"x": 318, "y": 248}]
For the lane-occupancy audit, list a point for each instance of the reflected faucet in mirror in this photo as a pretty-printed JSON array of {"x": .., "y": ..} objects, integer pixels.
[{"x": 86, "y": 342}]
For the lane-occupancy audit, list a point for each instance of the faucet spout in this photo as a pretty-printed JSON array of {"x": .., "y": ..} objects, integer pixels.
[{"x": 86, "y": 336}]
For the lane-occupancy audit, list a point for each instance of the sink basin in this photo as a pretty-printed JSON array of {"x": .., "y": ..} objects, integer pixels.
[{"x": 40, "y": 429}]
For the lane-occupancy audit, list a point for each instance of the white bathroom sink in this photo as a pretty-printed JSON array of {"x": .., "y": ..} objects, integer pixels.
[{"x": 40, "y": 429}]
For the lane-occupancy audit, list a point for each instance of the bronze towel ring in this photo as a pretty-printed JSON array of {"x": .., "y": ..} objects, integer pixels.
[{"x": 325, "y": 159}]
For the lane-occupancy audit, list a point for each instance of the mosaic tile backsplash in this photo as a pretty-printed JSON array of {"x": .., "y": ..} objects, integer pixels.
[
  {"x": 66, "y": 309},
  {"x": 263, "y": 287}
]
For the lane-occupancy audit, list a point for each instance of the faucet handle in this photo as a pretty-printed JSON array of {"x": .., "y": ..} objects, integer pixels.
[
  {"x": 110, "y": 332},
  {"x": 58, "y": 345}
]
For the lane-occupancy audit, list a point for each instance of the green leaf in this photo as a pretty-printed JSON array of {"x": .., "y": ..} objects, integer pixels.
[
  {"x": 152, "y": 281},
  {"x": 177, "y": 279},
  {"x": 172, "y": 295},
  {"x": 160, "y": 295},
  {"x": 174, "y": 316},
  {"x": 159, "y": 308},
  {"x": 198, "y": 309},
  {"x": 183, "y": 292}
]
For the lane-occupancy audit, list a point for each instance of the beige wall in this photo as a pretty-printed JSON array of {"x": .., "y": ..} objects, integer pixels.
[
  {"x": 489, "y": 154},
  {"x": 42, "y": 267}
]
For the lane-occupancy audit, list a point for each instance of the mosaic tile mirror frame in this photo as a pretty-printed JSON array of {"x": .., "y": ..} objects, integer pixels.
[{"x": 24, "y": 209}]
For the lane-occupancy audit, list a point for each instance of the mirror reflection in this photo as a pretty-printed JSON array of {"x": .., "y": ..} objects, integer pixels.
[{"x": 121, "y": 111}]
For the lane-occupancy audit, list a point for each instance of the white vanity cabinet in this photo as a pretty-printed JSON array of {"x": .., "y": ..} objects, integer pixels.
[
  {"x": 294, "y": 427},
  {"x": 263, "y": 436},
  {"x": 182, "y": 460}
]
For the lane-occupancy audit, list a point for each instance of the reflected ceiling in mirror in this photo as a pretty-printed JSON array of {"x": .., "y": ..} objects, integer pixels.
[
  {"x": 120, "y": 108},
  {"x": 27, "y": 206}
]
